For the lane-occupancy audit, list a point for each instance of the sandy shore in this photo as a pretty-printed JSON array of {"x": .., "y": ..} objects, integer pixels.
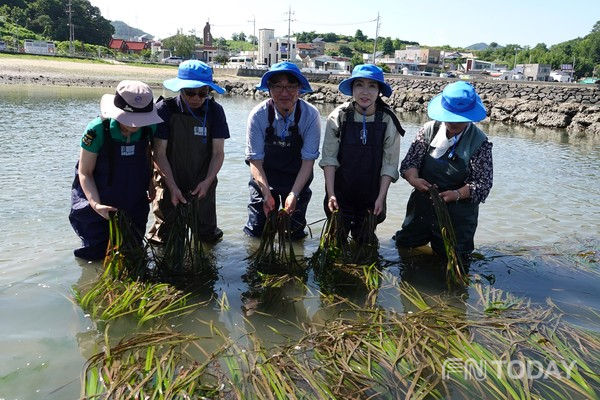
[{"x": 24, "y": 70}]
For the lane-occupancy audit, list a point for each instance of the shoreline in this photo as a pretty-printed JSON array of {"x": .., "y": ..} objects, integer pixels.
[{"x": 30, "y": 71}]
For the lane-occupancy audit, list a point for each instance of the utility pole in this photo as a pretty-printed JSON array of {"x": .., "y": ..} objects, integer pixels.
[
  {"x": 253, "y": 20},
  {"x": 71, "y": 29},
  {"x": 289, "y": 13},
  {"x": 376, "y": 35}
]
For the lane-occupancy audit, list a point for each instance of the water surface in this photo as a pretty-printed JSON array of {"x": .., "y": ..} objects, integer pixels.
[{"x": 542, "y": 211}]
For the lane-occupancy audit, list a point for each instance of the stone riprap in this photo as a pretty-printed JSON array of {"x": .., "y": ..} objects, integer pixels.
[{"x": 574, "y": 107}]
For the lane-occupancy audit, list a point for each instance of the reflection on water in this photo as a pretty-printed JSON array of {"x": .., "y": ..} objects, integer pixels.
[{"x": 540, "y": 220}]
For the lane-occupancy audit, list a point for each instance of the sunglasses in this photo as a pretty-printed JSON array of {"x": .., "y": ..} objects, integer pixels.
[{"x": 193, "y": 93}]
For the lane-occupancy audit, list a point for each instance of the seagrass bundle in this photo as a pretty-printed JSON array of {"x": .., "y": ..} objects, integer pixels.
[
  {"x": 275, "y": 253},
  {"x": 335, "y": 249},
  {"x": 126, "y": 254},
  {"x": 340, "y": 262},
  {"x": 455, "y": 272},
  {"x": 182, "y": 258}
]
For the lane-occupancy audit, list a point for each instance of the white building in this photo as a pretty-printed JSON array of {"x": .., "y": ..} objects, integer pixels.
[
  {"x": 560, "y": 76},
  {"x": 272, "y": 50}
]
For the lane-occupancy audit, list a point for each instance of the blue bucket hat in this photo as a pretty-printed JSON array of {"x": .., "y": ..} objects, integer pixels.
[
  {"x": 458, "y": 102},
  {"x": 192, "y": 74},
  {"x": 366, "y": 71},
  {"x": 288, "y": 68}
]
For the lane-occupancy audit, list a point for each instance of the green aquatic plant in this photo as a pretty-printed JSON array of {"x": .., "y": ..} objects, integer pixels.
[
  {"x": 455, "y": 270},
  {"x": 340, "y": 262},
  {"x": 275, "y": 252},
  {"x": 126, "y": 254},
  {"x": 182, "y": 260},
  {"x": 437, "y": 351},
  {"x": 155, "y": 365},
  {"x": 124, "y": 288},
  {"x": 109, "y": 299},
  {"x": 335, "y": 248}
]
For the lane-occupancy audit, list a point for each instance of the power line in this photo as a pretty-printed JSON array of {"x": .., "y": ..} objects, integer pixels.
[{"x": 332, "y": 24}]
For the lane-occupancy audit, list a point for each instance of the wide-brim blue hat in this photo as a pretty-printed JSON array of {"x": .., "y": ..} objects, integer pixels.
[
  {"x": 192, "y": 74},
  {"x": 366, "y": 71},
  {"x": 287, "y": 68},
  {"x": 458, "y": 102}
]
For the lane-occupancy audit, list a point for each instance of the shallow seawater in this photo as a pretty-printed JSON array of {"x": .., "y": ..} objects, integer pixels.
[{"x": 538, "y": 238}]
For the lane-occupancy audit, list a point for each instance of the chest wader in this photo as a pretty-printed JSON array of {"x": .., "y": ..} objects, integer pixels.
[
  {"x": 122, "y": 176},
  {"x": 281, "y": 164},
  {"x": 189, "y": 152},
  {"x": 357, "y": 179},
  {"x": 448, "y": 173}
]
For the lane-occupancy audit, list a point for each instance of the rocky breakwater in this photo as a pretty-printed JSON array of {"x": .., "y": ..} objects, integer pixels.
[{"x": 574, "y": 107}]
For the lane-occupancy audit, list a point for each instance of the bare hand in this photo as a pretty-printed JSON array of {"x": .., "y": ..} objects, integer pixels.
[
  {"x": 177, "y": 196},
  {"x": 332, "y": 204},
  {"x": 378, "y": 207},
  {"x": 201, "y": 190},
  {"x": 420, "y": 184},
  {"x": 290, "y": 203},
  {"x": 103, "y": 210},
  {"x": 268, "y": 205}
]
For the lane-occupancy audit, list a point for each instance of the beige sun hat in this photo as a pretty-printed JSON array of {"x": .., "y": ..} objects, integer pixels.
[{"x": 132, "y": 105}]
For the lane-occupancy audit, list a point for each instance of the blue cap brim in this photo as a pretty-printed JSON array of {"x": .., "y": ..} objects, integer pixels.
[
  {"x": 176, "y": 84},
  {"x": 304, "y": 85},
  {"x": 345, "y": 87}
]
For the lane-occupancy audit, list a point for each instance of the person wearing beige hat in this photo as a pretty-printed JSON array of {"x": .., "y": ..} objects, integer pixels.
[{"x": 114, "y": 168}]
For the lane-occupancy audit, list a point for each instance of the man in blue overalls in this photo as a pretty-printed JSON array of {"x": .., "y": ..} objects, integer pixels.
[{"x": 282, "y": 144}]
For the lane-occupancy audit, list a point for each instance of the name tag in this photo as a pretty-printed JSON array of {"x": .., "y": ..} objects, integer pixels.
[
  {"x": 128, "y": 150},
  {"x": 199, "y": 131}
]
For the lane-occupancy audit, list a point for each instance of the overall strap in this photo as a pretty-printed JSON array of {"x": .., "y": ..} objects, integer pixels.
[
  {"x": 349, "y": 111},
  {"x": 271, "y": 117},
  {"x": 388, "y": 110},
  {"x": 108, "y": 141}
]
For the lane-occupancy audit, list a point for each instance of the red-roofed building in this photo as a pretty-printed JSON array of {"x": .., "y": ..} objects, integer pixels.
[{"x": 128, "y": 47}]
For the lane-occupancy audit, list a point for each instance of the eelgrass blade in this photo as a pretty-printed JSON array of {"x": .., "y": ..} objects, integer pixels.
[{"x": 455, "y": 272}]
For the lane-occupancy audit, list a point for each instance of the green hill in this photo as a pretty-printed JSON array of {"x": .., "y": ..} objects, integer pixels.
[{"x": 126, "y": 32}]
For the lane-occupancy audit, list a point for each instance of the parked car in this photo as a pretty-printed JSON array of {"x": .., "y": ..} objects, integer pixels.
[{"x": 172, "y": 60}]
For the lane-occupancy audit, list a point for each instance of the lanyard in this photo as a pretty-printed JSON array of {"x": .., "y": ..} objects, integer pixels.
[
  {"x": 451, "y": 155},
  {"x": 198, "y": 118},
  {"x": 363, "y": 133}
]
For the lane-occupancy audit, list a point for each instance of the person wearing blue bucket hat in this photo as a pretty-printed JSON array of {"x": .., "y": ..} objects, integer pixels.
[
  {"x": 361, "y": 153},
  {"x": 455, "y": 156},
  {"x": 282, "y": 144},
  {"x": 189, "y": 151}
]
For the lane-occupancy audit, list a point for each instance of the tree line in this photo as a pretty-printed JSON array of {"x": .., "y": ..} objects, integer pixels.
[{"x": 54, "y": 19}]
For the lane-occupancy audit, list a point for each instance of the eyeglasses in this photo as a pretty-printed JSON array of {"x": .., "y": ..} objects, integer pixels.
[
  {"x": 281, "y": 88},
  {"x": 193, "y": 93}
]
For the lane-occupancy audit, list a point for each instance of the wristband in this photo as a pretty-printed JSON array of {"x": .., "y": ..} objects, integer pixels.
[
  {"x": 294, "y": 194},
  {"x": 457, "y": 195}
]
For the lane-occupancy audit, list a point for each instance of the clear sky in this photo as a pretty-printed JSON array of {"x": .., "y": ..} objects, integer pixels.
[{"x": 458, "y": 23}]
